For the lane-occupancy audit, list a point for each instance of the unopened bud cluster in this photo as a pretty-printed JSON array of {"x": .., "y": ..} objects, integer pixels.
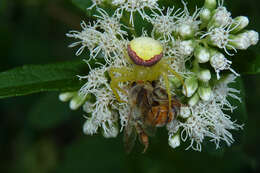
[{"x": 198, "y": 47}]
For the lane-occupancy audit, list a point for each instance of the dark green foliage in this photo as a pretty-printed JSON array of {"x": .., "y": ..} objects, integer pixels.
[{"x": 37, "y": 78}]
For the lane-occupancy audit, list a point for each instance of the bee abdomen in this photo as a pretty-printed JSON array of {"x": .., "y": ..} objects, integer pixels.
[{"x": 159, "y": 116}]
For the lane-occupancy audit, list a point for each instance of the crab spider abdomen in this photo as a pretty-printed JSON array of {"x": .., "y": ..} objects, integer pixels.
[{"x": 145, "y": 51}]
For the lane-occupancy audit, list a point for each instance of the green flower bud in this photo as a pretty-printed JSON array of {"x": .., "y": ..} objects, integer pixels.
[
  {"x": 204, "y": 75},
  {"x": 64, "y": 97},
  {"x": 77, "y": 101},
  {"x": 205, "y": 16},
  {"x": 240, "y": 41},
  {"x": 174, "y": 82},
  {"x": 194, "y": 99},
  {"x": 210, "y": 4},
  {"x": 202, "y": 54},
  {"x": 191, "y": 86},
  {"x": 239, "y": 23},
  {"x": 205, "y": 93}
]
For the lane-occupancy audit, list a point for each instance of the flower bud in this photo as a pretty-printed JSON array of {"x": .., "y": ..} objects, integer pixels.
[
  {"x": 210, "y": 4},
  {"x": 191, "y": 86},
  {"x": 204, "y": 93},
  {"x": 204, "y": 75},
  {"x": 205, "y": 15},
  {"x": 194, "y": 99},
  {"x": 185, "y": 112},
  {"x": 174, "y": 82},
  {"x": 253, "y": 37},
  {"x": 186, "y": 47},
  {"x": 240, "y": 41},
  {"x": 186, "y": 31},
  {"x": 66, "y": 96},
  {"x": 77, "y": 101},
  {"x": 202, "y": 54},
  {"x": 221, "y": 17},
  {"x": 239, "y": 23},
  {"x": 174, "y": 140}
]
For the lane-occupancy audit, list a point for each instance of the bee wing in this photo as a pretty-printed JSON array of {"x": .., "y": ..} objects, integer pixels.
[{"x": 129, "y": 137}]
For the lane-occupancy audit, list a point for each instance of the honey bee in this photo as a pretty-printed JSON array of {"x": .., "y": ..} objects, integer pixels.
[{"x": 149, "y": 109}]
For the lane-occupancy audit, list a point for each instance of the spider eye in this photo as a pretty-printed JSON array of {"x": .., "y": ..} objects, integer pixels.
[{"x": 145, "y": 51}]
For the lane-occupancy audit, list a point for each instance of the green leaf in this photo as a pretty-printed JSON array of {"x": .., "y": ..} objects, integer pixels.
[{"x": 37, "y": 78}]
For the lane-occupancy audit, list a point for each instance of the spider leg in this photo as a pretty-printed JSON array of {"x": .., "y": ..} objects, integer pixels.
[
  {"x": 165, "y": 77},
  {"x": 116, "y": 79},
  {"x": 178, "y": 76}
]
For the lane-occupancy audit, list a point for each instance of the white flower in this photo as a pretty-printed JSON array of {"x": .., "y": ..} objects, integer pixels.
[
  {"x": 219, "y": 63},
  {"x": 109, "y": 46},
  {"x": 104, "y": 43},
  {"x": 110, "y": 24},
  {"x": 220, "y": 37},
  {"x": 96, "y": 79},
  {"x": 185, "y": 112},
  {"x": 221, "y": 17},
  {"x": 110, "y": 130},
  {"x": 90, "y": 127},
  {"x": 89, "y": 37},
  {"x": 186, "y": 25},
  {"x": 163, "y": 24},
  {"x": 222, "y": 91},
  {"x": 207, "y": 120},
  {"x": 204, "y": 101},
  {"x": 132, "y": 6}
]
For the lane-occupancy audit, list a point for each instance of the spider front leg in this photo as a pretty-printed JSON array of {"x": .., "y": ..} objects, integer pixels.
[
  {"x": 178, "y": 77},
  {"x": 115, "y": 80}
]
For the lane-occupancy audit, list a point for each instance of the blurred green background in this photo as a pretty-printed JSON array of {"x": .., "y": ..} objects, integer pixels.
[{"x": 40, "y": 134}]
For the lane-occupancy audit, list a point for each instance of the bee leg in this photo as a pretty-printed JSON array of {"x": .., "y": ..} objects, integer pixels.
[
  {"x": 142, "y": 137},
  {"x": 145, "y": 141}
]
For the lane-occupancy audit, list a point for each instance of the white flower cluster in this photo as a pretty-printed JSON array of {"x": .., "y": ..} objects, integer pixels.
[{"x": 189, "y": 40}]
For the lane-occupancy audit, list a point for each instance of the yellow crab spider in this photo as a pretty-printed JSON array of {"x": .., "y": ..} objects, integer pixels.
[{"x": 147, "y": 65}]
